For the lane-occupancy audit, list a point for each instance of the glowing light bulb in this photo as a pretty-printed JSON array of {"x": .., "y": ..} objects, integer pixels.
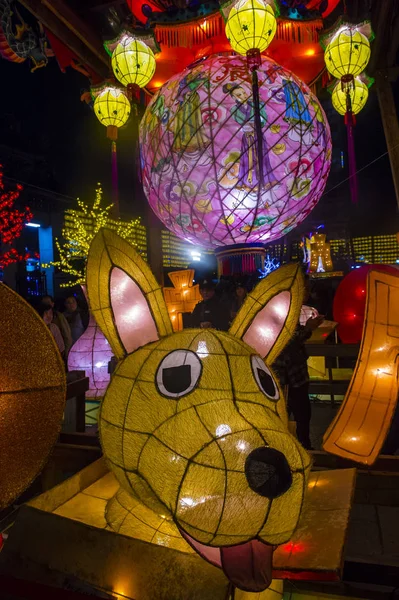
[
  {"x": 242, "y": 446},
  {"x": 202, "y": 349},
  {"x": 222, "y": 430}
]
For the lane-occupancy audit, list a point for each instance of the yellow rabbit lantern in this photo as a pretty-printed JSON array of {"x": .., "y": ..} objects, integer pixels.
[{"x": 193, "y": 423}]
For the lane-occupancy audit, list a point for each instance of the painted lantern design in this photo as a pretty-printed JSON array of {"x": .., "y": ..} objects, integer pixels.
[{"x": 200, "y": 159}]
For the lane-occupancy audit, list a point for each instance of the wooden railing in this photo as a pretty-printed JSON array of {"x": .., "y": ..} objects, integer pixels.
[{"x": 334, "y": 355}]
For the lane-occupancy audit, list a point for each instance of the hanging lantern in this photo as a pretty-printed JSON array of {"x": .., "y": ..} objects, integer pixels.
[
  {"x": 250, "y": 28},
  {"x": 348, "y": 53},
  {"x": 251, "y": 25},
  {"x": 358, "y": 93},
  {"x": 133, "y": 61},
  {"x": 112, "y": 108}
]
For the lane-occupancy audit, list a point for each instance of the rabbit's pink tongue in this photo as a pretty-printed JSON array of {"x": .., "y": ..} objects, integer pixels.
[{"x": 248, "y": 566}]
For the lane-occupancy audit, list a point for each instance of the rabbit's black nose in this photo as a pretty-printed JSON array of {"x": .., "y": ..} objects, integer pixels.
[{"x": 268, "y": 472}]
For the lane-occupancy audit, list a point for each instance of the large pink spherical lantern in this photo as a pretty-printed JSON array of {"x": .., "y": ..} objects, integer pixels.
[{"x": 200, "y": 160}]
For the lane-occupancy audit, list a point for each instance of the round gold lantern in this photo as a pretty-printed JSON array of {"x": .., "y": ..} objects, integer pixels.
[
  {"x": 32, "y": 395},
  {"x": 251, "y": 25},
  {"x": 133, "y": 62},
  {"x": 358, "y": 93},
  {"x": 348, "y": 53}
]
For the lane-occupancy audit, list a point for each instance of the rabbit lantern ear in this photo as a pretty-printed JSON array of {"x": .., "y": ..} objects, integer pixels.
[
  {"x": 270, "y": 313},
  {"x": 124, "y": 296}
]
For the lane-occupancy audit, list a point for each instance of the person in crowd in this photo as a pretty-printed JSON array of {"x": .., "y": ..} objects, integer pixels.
[
  {"x": 240, "y": 294},
  {"x": 61, "y": 322},
  {"x": 74, "y": 318},
  {"x": 292, "y": 370},
  {"x": 46, "y": 313},
  {"x": 210, "y": 312}
]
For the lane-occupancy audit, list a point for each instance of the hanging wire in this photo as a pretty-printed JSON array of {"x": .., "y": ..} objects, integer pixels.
[{"x": 360, "y": 170}]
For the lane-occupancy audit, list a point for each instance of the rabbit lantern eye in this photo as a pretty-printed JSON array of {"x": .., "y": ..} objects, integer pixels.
[
  {"x": 264, "y": 378},
  {"x": 178, "y": 373}
]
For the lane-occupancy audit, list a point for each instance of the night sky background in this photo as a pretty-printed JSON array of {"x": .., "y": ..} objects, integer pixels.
[{"x": 41, "y": 113}]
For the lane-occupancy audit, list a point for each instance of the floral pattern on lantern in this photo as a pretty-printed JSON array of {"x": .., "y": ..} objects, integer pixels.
[{"x": 199, "y": 159}]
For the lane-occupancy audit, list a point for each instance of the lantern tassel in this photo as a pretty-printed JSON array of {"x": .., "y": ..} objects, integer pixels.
[
  {"x": 350, "y": 123},
  {"x": 258, "y": 125},
  {"x": 115, "y": 192}
]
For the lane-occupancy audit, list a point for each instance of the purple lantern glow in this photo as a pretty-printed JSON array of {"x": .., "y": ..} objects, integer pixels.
[
  {"x": 91, "y": 353},
  {"x": 200, "y": 160}
]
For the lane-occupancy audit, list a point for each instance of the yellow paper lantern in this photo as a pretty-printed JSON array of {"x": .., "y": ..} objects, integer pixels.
[
  {"x": 112, "y": 109},
  {"x": 133, "y": 62},
  {"x": 348, "y": 53},
  {"x": 364, "y": 419},
  {"x": 182, "y": 298},
  {"x": 358, "y": 93},
  {"x": 251, "y": 25},
  {"x": 193, "y": 423}
]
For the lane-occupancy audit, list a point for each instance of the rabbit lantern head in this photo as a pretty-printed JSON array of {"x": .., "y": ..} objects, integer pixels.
[{"x": 193, "y": 423}]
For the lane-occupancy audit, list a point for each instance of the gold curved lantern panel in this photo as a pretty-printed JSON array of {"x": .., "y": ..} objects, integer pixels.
[
  {"x": 32, "y": 394},
  {"x": 348, "y": 53},
  {"x": 112, "y": 107},
  {"x": 133, "y": 62},
  {"x": 358, "y": 92},
  {"x": 251, "y": 25},
  {"x": 362, "y": 424}
]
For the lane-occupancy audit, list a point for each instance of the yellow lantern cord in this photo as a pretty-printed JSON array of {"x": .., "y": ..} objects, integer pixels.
[
  {"x": 251, "y": 25},
  {"x": 86, "y": 221}
]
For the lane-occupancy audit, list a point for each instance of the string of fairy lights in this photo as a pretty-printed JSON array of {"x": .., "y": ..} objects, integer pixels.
[{"x": 83, "y": 225}]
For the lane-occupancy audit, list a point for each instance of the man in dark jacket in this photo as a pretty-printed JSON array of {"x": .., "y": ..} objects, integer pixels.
[
  {"x": 210, "y": 312},
  {"x": 291, "y": 367}
]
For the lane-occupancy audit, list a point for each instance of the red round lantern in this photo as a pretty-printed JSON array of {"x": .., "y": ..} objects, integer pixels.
[{"x": 350, "y": 302}]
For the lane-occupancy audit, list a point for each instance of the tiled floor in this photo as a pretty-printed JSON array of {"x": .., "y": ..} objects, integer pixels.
[{"x": 89, "y": 505}]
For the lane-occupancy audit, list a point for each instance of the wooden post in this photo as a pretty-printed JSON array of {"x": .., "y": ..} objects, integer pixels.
[{"x": 390, "y": 122}]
